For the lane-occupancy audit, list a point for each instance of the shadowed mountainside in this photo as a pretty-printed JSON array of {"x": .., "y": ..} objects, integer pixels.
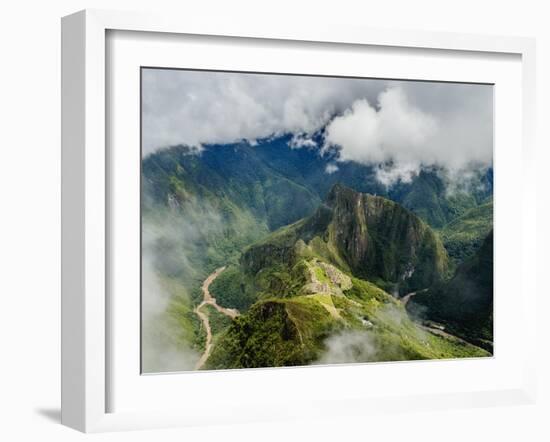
[{"x": 464, "y": 303}]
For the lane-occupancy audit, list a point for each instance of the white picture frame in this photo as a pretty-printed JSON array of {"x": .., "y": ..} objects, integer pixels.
[{"x": 86, "y": 203}]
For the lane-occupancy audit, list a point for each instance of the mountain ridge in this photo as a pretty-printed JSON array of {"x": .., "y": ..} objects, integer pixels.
[
  {"x": 372, "y": 237},
  {"x": 284, "y": 227}
]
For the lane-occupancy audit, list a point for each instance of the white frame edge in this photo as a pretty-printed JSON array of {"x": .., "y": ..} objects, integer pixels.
[
  {"x": 83, "y": 222},
  {"x": 84, "y": 198}
]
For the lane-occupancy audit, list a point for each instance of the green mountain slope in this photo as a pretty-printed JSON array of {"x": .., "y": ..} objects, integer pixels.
[
  {"x": 304, "y": 300},
  {"x": 200, "y": 210},
  {"x": 465, "y": 303},
  {"x": 430, "y": 195},
  {"x": 369, "y": 236},
  {"x": 329, "y": 317},
  {"x": 263, "y": 176},
  {"x": 233, "y": 173},
  {"x": 465, "y": 235},
  {"x": 259, "y": 210}
]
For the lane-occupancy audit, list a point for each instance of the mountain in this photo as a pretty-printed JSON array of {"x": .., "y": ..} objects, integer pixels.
[
  {"x": 369, "y": 236},
  {"x": 430, "y": 194},
  {"x": 217, "y": 201},
  {"x": 233, "y": 173},
  {"x": 263, "y": 176},
  {"x": 315, "y": 260},
  {"x": 439, "y": 201},
  {"x": 306, "y": 293},
  {"x": 381, "y": 239},
  {"x": 323, "y": 315},
  {"x": 465, "y": 303},
  {"x": 464, "y": 235}
]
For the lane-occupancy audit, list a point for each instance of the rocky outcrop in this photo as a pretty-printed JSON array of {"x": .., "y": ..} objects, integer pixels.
[
  {"x": 379, "y": 238},
  {"x": 374, "y": 237}
]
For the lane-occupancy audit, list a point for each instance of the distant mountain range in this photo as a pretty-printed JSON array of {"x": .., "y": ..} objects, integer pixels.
[{"x": 320, "y": 256}]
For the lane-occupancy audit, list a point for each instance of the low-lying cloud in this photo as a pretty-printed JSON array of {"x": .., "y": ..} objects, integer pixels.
[
  {"x": 350, "y": 347},
  {"x": 372, "y": 344},
  {"x": 171, "y": 254},
  {"x": 196, "y": 108},
  {"x": 401, "y": 138},
  {"x": 161, "y": 350},
  {"x": 399, "y": 127}
]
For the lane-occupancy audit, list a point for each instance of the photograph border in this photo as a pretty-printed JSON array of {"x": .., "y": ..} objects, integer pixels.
[
  {"x": 282, "y": 74},
  {"x": 85, "y": 198}
]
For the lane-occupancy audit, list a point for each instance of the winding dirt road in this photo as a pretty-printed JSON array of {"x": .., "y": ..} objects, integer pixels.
[
  {"x": 405, "y": 299},
  {"x": 209, "y": 299},
  {"x": 430, "y": 328}
]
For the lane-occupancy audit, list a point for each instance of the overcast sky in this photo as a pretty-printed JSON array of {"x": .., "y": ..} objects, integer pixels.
[{"x": 406, "y": 124}]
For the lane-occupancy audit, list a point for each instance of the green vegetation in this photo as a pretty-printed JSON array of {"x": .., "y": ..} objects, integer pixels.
[
  {"x": 436, "y": 201},
  {"x": 218, "y": 321},
  {"x": 369, "y": 236},
  {"x": 171, "y": 329},
  {"x": 274, "y": 333},
  {"x": 312, "y": 279},
  {"x": 428, "y": 199},
  {"x": 232, "y": 289},
  {"x": 430, "y": 195},
  {"x": 307, "y": 329},
  {"x": 465, "y": 303},
  {"x": 464, "y": 235},
  {"x": 179, "y": 320}
]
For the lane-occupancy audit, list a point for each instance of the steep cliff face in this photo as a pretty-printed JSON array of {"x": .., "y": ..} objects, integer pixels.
[
  {"x": 380, "y": 238},
  {"x": 464, "y": 303},
  {"x": 370, "y": 236}
]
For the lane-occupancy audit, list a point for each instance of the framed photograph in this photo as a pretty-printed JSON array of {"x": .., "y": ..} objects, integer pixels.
[{"x": 270, "y": 222}]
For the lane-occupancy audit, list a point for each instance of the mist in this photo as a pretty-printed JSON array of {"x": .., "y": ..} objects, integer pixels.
[
  {"x": 172, "y": 259},
  {"x": 349, "y": 347},
  {"x": 369, "y": 345},
  {"x": 400, "y": 127},
  {"x": 401, "y": 137}
]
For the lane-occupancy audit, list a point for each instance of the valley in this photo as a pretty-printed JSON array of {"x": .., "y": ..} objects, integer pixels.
[{"x": 287, "y": 265}]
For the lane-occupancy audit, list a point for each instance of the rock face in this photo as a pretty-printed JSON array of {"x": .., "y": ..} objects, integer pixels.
[
  {"x": 371, "y": 236},
  {"x": 380, "y": 238}
]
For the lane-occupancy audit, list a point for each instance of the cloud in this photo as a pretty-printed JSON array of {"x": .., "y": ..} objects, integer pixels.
[
  {"x": 400, "y": 137},
  {"x": 171, "y": 255},
  {"x": 349, "y": 347},
  {"x": 374, "y": 343},
  {"x": 389, "y": 173},
  {"x": 398, "y": 126},
  {"x": 194, "y": 107},
  {"x": 370, "y": 136},
  {"x": 302, "y": 140},
  {"x": 161, "y": 350}
]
